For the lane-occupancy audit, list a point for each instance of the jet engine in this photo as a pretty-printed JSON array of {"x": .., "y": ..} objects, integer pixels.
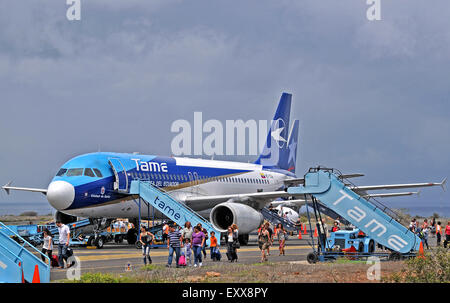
[
  {"x": 245, "y": 217},
  {"x": 64, "y": 218}
]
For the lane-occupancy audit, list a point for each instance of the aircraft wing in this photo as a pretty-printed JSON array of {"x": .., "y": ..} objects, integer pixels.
[
  {"x": 7, "y": 188},
  {"x": 260, "y": 199},
  {"x": 256, "y": 200}
]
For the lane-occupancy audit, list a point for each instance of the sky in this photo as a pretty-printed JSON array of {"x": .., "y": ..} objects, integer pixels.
[{"x": 372, "y": 97}]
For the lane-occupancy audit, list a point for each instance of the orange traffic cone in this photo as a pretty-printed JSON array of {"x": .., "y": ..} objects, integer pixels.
[
  {"x": 315, "y": 233},
  {"x": 300, "y": 234},
  {"x": 421, "y": 252},
  {"x": 36, "y": 278},
  {"x": 304, "y": 230}
]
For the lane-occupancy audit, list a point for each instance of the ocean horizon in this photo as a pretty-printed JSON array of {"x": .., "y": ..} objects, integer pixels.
[{"x": 44, "y": 208}]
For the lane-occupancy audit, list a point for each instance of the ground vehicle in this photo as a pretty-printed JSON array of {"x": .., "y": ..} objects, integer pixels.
[{"x": 345, "y": 239}]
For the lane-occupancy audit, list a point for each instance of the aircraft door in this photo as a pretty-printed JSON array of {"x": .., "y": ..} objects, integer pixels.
[{"x": 120, "y": 174}]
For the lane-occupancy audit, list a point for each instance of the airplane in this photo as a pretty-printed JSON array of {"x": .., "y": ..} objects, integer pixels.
[{"x": 95, "y": 185}]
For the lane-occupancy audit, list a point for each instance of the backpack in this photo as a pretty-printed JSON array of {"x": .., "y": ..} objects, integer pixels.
[{"x": 69, "y": 252}]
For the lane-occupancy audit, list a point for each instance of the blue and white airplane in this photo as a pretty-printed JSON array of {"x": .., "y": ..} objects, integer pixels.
[{"x": 96, "y": 185}]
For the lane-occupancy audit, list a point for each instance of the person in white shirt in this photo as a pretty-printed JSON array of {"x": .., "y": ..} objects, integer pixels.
[
  {"x": 64, "y": 237},
  {"x": 47, "y": 248}
]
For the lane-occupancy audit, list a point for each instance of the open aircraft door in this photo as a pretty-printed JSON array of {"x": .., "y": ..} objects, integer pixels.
[{"x": 121, "y": 183}]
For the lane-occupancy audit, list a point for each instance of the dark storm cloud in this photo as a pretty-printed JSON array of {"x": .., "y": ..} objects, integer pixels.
[{"x": 372, "y": 97}]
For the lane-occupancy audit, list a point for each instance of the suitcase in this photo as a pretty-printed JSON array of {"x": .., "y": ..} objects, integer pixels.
[
  {"x": 182, "y": 261},
  {"x": 54, "y": 261}
]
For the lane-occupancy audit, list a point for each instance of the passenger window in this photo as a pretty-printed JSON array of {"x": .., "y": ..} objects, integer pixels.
[
  {"x": 61, "y": 172},
  {"x": 88, "y": 172},
  {"x": 98, "y": 173},
  {"x": 74, "y": 172}
]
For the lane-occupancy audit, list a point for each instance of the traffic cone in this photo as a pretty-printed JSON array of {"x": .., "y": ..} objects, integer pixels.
[
  {"x": 315, "y": 232},
  {"x": 300, "y": 234},
  {"x": 304, "y": 230},
  {"x": 36, "y": 278},
  {"x": 421, "y": 252}
]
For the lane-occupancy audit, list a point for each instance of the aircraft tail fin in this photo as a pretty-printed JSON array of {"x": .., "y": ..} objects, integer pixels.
[
  {"x": 292, "y": 147},
  {"x": 276, "y": 152}
]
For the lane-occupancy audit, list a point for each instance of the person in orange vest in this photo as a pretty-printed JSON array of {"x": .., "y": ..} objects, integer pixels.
[
  {"x": 447, "y": 234},
  {"x": 165, "y": 232}
]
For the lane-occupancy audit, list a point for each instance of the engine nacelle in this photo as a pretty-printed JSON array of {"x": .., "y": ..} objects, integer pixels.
[
  {"x": 245, "y": 217},
  {"x": 64, "y": 218}
]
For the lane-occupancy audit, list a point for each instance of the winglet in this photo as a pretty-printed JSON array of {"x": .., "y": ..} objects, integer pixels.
[
  {"x": 443, "y": 184},
  {"x": 418, "y": 193},
  {"x": 6, "y": 187}
]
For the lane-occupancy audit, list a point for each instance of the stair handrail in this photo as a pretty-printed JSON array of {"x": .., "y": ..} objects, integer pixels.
[
  {"x": 24, "y": 242},
  {"x": 165, "y": 193},
  {"x": 13, "y": 254}
]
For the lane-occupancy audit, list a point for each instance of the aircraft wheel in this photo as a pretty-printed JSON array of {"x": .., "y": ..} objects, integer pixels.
[
  {"x": 395, "y": 256},
  {"x": 371, "y": 247},
  {"x": 243, "y": 240},
  {"x": 312, "y": 258},
  {"x": 132, "y": 236},
  {"x": 361, "y": 247}
]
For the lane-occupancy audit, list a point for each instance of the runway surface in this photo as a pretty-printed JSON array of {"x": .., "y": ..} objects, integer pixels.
[{"x": 114, "y": 258}]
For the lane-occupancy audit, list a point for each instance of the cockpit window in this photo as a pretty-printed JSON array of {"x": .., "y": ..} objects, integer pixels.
[
  {"x": 98, "y": 173},
  {"x": 88, "y": 172},
  {"x": 61, "y": 172},
  {"x": 74, "y": 172}
]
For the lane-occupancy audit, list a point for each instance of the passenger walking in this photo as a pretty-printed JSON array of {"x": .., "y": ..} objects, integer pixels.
[
  {"x": 214, "y": 249},
  {"x": 425, "y": 232},
  {"x": 263, "y": 241},
  {"x": 433, "y": 227},
  {"x": 146, "y": 239},
  {"x": 198, "y": 239},
  {"x": 187, "y": 231},
  {"x": 267, "y": 225},
  {"x": 47, "y": 248},
  {"x": 64, "y": 237},
  {"x": 174, "y": 245},
  {"x": 204, "y": 242},
  {"x": 282, "y": 236},
  {"x": 232, "y": 242},
  {"x": 166, "y": 230},
  {"x": 438, "y": 233},
  {"x": 187, "y": 249},
  {"x": 447, "y": 234},
  {"x": 413, "y": 225}
]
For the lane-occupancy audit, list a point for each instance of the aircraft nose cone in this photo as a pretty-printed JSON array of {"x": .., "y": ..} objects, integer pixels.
[{"x": 60, "y": 194}]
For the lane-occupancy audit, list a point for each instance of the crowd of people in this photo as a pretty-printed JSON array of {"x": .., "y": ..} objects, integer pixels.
[
  {"x": 188, "y": 244},
  {"x": 434, "y": 228}
]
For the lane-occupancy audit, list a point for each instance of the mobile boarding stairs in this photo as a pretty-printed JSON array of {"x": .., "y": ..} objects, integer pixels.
[
  {"x": 21, "y": 262},
  {"x": 168, "y": 206},
  {"x": 374, "y": 219}
]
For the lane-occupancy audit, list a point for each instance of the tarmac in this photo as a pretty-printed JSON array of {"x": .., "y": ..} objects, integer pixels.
[{"x": 116, "y": 258}]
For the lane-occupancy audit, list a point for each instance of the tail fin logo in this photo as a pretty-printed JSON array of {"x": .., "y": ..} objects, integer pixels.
[{"x": 278, "y": 127}]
